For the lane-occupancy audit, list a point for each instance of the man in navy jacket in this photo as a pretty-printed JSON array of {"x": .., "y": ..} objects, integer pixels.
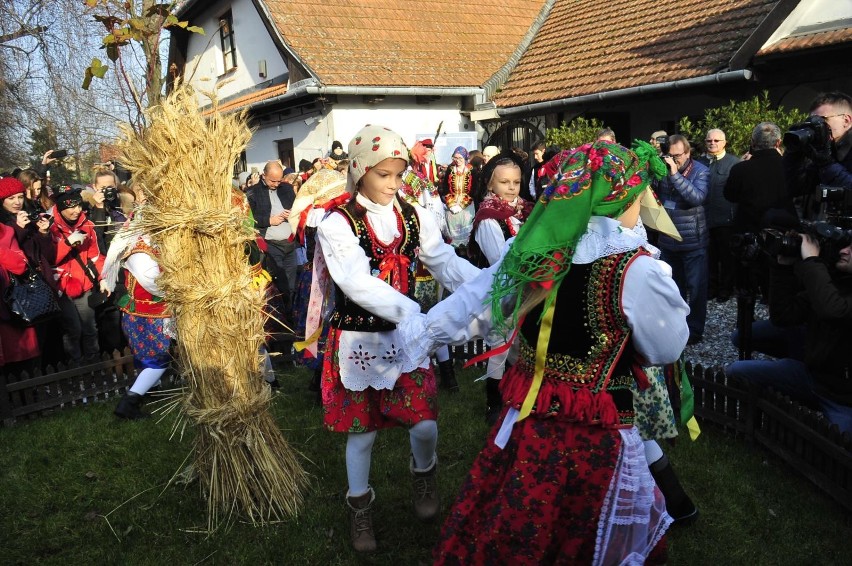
[{"x": 683, "y": 193}]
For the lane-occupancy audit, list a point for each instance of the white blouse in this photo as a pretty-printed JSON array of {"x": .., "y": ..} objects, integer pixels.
[{"x": 372, "y": 359}]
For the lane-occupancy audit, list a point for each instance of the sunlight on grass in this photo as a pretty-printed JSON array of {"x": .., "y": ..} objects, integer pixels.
[{"x": 80, "y": 487}]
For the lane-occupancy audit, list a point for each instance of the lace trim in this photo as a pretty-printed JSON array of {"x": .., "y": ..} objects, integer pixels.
[
  {"x": 633, "y": 516},
  {"x": 606, "y": 236}
]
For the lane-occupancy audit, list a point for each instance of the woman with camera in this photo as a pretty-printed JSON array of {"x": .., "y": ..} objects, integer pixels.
[
  {"x": 77, "y": 266},
  {"x": 31, "y": 230}
]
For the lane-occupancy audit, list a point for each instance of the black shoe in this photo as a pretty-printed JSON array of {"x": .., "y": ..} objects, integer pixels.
[
  {"x": 448, "y": 376},
  {"x": 694, "y": 339},
  {"x": 274, "y": 384},
  {"x": 678, "y": 504},
  {"x": 493, "y": 401},
  {"x": 130, "y": 407}
]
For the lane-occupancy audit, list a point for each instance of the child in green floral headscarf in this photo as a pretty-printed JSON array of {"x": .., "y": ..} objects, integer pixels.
[{"x": 564, "y": 476}]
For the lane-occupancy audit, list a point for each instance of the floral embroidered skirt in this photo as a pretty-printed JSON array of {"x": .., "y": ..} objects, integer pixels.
[
  {"x": 414, "y": 398},
  {"x": 147, "y": 339},
  {"x": 537, "y": 501}
]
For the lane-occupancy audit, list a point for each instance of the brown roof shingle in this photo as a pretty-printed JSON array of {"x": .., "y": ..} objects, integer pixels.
[
  {"x": 586, "y": 48},
  {"x": 251, "y": 98},
  {"x": 433, "y": 43},
  {"x": 808, "y": 41}
]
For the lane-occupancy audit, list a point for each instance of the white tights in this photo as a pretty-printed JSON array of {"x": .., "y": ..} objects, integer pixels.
[
  {"x": 359, "y": 448},
  {"x": 146, "y": 379}
]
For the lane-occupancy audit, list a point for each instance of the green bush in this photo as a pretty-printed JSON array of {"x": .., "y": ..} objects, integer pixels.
[
  {"x": 737, "y": 119},
  {"x": 574, "y": 134}
]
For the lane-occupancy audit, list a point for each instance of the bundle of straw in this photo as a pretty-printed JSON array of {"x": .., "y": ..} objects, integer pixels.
[{"x": 183, "y": 161}]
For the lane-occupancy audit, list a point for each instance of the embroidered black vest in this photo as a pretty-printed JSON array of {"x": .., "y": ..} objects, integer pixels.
[
  {"x": 590, "y": 353},
  {"x": 347, "y": 314}
]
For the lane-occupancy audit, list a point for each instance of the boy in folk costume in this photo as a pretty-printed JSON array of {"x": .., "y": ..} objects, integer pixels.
[
  {"x": 144, "y": 314},
  {"x": 564, "y": 477},
  {"x": 370, "y": 247}
]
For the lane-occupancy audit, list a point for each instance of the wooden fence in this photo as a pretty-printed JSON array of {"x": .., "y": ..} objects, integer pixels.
[
  {"x": 60, "y": 387},
  {"x": 796, "y": 434},
  {"x": 799, "y": 435}
]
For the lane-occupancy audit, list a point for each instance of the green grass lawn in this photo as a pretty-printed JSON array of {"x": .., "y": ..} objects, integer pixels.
[{"x": 80, "y": 487}]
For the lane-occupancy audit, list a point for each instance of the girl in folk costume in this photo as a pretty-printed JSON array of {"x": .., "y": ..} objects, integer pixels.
[
  {"x": 325, "y": 190},
  {"x": 144, "y": 314},
  {"x": 457, "y": 190},
  {"x": 499, "y": 217},
  {"x": 564, "y": 478},
  {"x": 370, "y": 246},
  {"x": 417, "y": 189}
]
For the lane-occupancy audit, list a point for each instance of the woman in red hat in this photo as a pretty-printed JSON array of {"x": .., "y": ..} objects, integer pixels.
[{"x": 18, "y": 345}]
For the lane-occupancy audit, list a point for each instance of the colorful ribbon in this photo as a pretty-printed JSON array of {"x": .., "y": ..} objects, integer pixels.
[{"x": 540, "y": 359}]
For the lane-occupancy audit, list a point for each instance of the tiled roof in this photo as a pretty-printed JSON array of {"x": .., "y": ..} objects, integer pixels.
[
  {"x": 431, "y": 43},
  {"x": 808, "y": 41},
  {"x": 251, "y": 98},
  {"x": 587, "y": 47}
]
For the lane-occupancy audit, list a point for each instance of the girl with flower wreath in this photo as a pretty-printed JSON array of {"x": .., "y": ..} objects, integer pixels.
[
  {"x": 563, "y": 478},
  {"x": 370, "y": 247}
]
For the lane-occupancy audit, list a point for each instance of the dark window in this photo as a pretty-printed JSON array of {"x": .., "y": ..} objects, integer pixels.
[
  {"x": 226, "y": 33},
  {"x": 285, "y": 152}
]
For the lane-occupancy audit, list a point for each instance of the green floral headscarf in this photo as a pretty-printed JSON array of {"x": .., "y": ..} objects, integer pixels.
[{"x": 596, "y": 179}]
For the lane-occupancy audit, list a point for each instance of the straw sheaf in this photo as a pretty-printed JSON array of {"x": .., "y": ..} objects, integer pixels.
[{"x": 183, "y": 161}]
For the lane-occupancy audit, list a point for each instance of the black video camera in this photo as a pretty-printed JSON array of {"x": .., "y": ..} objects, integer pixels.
[
  {"x": 664, "y": 144},
  {"x": 813, "y": 132},
  {"x": 831, "y": 240}
]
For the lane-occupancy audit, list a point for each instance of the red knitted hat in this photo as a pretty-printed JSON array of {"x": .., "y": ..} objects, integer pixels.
[{"x": 10, "y": 186}]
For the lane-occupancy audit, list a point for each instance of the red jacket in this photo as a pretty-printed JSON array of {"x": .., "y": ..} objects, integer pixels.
[
  {"x": 16, "y": 343},
  {"x": 69, "y": 275}
]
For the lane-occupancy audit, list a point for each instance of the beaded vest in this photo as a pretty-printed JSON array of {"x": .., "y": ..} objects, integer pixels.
[
  {"x": 393, "y": 262},
  {"x": 587, "y": 376},
  {"x": 138, "y": 301}
]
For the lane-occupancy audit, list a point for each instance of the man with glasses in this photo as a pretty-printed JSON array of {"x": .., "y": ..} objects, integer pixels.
[
  {"x": 270, "y": 201},
  {"x": 683, "y": 193},
  {"x": 719, "y": 212},
  {"x": 828, "y": 162}
]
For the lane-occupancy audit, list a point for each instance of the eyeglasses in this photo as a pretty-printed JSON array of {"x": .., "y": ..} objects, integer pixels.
[
  {"x": 830, "y": 116},
  {"x": 713, "y": 141},
  {"x": 677, "y": 155}
]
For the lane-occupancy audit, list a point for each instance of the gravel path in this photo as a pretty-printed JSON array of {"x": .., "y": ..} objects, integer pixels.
[{"x": 716, "y": 349}]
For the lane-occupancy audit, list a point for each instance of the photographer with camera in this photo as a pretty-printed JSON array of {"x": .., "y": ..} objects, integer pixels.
[
  {"x": 814, "y": 289},
  {"x": 76, "y": 267},
  {"x": 682, "y": 193},
  {"x": 818, "y": 150},
  {"x": 105, "y": 206}
]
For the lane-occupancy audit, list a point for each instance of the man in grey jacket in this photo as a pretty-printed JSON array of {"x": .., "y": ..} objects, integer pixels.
[
  {"x": 683, "y": 193},
  {"x": 719, "y": 212}
]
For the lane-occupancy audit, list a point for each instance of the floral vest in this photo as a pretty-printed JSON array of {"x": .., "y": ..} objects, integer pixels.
[{"x": 138, "y": 301}]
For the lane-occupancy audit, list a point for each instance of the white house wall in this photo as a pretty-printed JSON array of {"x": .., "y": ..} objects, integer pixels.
[
  {"x": 403, "y": 116},
  {"x": 205, "y": 65},
  {"x": 313, "y": 135}
]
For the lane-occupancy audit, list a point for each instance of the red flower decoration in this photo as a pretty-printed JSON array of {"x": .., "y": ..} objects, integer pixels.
[{"x": 358, "y": 140}]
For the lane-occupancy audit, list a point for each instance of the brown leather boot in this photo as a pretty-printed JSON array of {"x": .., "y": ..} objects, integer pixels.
[
  {"x": 427, "y": 504},
  {"x": 361, "y": 522}
]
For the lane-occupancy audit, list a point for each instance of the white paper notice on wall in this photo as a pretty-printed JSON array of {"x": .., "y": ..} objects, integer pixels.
[{"x": 448, "y": 141}]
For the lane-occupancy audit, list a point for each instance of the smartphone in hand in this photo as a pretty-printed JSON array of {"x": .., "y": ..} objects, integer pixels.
[{"x": 58, "y": 153}]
